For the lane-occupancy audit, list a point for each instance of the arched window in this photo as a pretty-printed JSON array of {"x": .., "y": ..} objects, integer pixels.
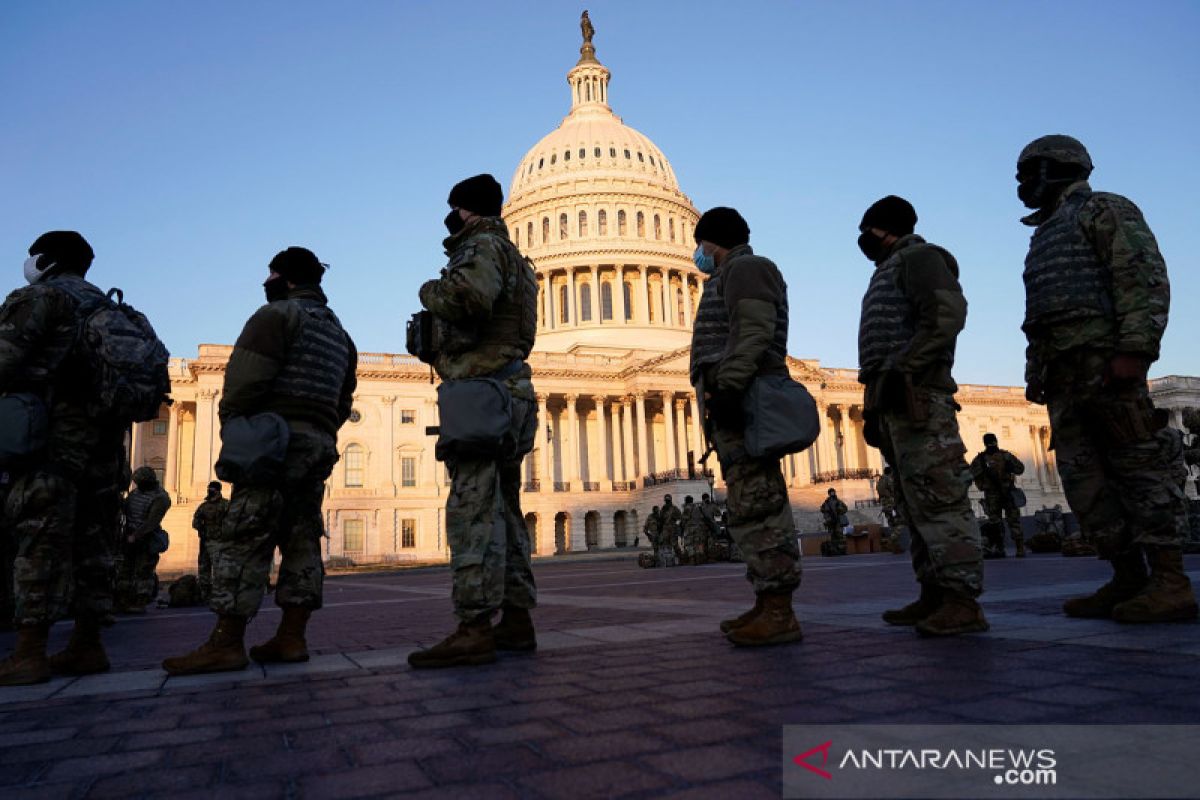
[
  {"x": 657, "y": 227},
  {"x": 621, "y": 226},
  {"x": 652, "y": 161},
  {"x": 517, "y": 237},
  {"x": 567, "y": 156},
  {"x": 562, "y": 227},
  {"x": 563, "y": 309},
  {"x": 612, "y": 152},
  {"x": 583, "y": 152},
  {"x": 627, "y": 156},
  {"x": 529, "y": 235},
  {"x": 596, "y": 152},
  {"x": 585, "y": 302},
  {"x": 545, "y": 229},
  {"x": 640, "y": 157},
  {"x": 679, "y": 305},
  {"x": 583, "y": 230},
  {"x": 655, "y": 291},
  {"x": 671, "y": 228},
  {"x": 641, "y": 224},
  {"x": 602, "y": 222},
  {"x": 353, "y": 459},
  {"x": 606, "y": 301},
  {"x": 553, "y": 159},
  {"x": 628, "y": 288},
  {"x": 541, "y": 161}
]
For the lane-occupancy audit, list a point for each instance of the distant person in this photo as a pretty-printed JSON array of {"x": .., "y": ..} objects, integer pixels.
[
  {"x": 694, "y": 530},
  {"x": 670, "y": 527},
  {"x": 995, "y": 473},
  {"x": 207, "y": 521},
  {"x": 912, "y": 313},
  {"x": 142, "y": 542},
  {"x": 1097, "y": 299},
  {"x": 712, "y": 530},
  {"x": 1170, "y": 439},
  {"x": 740, "y": 333},
  {"x": 833, "y": 515},
  {"x": 292, "y": 366}
]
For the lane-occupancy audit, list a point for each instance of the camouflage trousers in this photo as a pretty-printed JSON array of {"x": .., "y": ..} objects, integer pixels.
[
  {"x": 694, "y": 549},
  {"x": 760, "y": 515},
  {"x": 489, "y": 543},
  {"x": 999, "y": 507},
  {"x": 931, "y": 492},
  {"x": 204, "y": 570},
  {"x": 262, "y": 518},
  {"x": 137, "y": 580},
  {"x": 1114, "y": 471}
]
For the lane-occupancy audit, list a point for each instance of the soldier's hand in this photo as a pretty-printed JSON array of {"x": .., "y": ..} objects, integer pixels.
[{"x": 1126, "y": 368}]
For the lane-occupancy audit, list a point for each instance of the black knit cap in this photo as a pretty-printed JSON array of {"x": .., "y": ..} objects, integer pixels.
[
  {"x": 989, "y": 438},
  {"x": 481, "y": 194},
  {"x": 722, "y": 226},
  {"x": 892, "y": 214},
  {"x": 299, "y": 265},
  {"x": 68, "y": 249}
]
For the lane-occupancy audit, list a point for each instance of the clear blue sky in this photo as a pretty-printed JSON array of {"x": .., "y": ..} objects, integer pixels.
[{"x": 191, "y": 141}]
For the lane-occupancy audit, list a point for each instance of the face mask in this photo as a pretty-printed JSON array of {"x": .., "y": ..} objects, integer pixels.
[
  {"x": 32, "y": 273},
  {"x": 991, "y": 448},
  {"x": 276, "y": 288},
  {"x": 454, "y": 222},
  {"x": 871, "y": 246},
  {"x": 704, "y": 261}
]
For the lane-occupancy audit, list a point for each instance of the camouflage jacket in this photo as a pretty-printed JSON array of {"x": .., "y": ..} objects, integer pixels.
[
  {"x": 209, "y": 516},
  {"x": 1141, "y": 291},
  {"x": 886, "y": 490},
  {"x": 995, "y": 472},
  {"x": 671, "y": 518},
  {"x": 833, "y": 509}
]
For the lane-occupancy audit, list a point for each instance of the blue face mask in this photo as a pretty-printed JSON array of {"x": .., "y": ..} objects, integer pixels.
[{"x": 704, "y": 261}]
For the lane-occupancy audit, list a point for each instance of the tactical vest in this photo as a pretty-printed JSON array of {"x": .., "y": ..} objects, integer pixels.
[
  {"x": 514, "y": 316},
  {"x": 317, "y": 358},
  {"x": 45, "y": 365},
  {"x": 710, "y": 329},
  {"x": 137, "y": 505},
  {"x": 1064, "y": 279},
  {"x": 887, "y": 325}
]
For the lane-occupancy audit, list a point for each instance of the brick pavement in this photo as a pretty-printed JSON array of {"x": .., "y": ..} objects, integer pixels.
[{"x": 633, "y": 692}]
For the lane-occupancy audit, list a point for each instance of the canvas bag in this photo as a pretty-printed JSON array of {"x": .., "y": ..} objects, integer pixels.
[
  {"x": 781, "y": 417},
  {"x": 475, "y": 419},
  {"x": 253, "y": 449}
]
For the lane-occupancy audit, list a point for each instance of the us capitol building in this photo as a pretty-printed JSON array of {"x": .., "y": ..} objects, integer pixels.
[{"x": 596, "y": 205}]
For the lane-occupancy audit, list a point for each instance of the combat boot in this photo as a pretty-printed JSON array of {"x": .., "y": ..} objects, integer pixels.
[
  {"x": 775, "y": 624},
  {"x": 471, "y": 644},
  {"x": 1168, "y": 594},
  {"x": 287, "y": 646},
  {"x": 515, "y": 631},
  {"x": 84, "y": 653},
  {"x": 1129, "y": 578},
  {"x": 957, "y": 614},
  {"x": 736, "y": 622},
  {"x": 919, "y": 609},
  {"x": 224, "y": 651},
  {"x": 28, "y": 663}
]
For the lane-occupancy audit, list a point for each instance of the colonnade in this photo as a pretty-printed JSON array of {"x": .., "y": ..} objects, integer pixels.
[{"x": 657, "y": 295}]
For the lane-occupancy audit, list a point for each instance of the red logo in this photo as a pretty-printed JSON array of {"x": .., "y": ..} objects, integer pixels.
[{"x": 823, "y": 749}]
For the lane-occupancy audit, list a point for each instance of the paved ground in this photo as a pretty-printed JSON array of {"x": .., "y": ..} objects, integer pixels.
[{"x": 633, "y": 692}]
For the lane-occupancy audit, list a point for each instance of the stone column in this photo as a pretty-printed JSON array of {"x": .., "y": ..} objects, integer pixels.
[
  {"x": 681, "y": 436},
  {"x": 570, "y": 445},
  {"x": 135, "y": 444},
  {"x": 171, "y": 478},
  {"x": 669, "y": 431},
  {"x": 644, "y": 303},
  {"x": 697, "y": 429},
  {"x": 615, "y": 429},
  {"x": 687, "y": 301},
  {"x": 545, "y": 447},
  {"x": 572, "y": 298},
  {"x": 619, "y": 300},
  {"x": 207, "y": 438},
  {"x": 629, "y": 466},
  {"x": 643, "y": 435},
  {"x": 667, "y": 312},
  {"x": 550, "y": 320},
  {"x": 600, "y": 452},
  {"x": 596, "y": 294}
]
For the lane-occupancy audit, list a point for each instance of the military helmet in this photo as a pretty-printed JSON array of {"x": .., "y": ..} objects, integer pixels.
[
  {"x": 144, "y": 475},
  {"x": 1059, "y": 148}
]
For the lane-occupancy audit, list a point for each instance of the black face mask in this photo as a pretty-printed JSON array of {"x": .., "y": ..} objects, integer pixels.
[
  {"x": 991, "y": 448},
  {"x": 871, "y": 246},
  {"x": 276, "y": 288},
  {"x": 454, "y": 222}
]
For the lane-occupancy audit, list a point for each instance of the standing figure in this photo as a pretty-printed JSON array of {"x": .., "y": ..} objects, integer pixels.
[
  {"x": 995, "y": 473},
  {"x": 1097, "y": 299},
  {"x": 485, "y": 305},
  {"x": 708, "y": 516},
  {"x": 294, "y": 364},
  {"x": 912, "y": 313},
  {"x": 207, "y": 523},
  {"x": 141, "y": 544},
  {"x": 833, "y": 514},
  {"x": 670, "y": 526},
  {"x": 885, "y": 487},
  {"x": 694, "y": 531},
  {"x": 740, "y": 334}
]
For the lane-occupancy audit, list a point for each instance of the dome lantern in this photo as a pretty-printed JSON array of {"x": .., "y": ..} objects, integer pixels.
[{"x": 589, "y": 78}]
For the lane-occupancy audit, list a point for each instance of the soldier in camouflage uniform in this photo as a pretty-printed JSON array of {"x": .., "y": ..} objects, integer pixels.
[
  {"x": 652, "y": 527},
  {"x": 740, "y": 333},
  {"x": 670, "y": 527},
  {"x": 294, "y": 359},
  {"x": 1097, "y": 298},
  {"x": 145, "y": 508},
  {"x": 693, "y": 532},
  {"x": 485, "y": 303},
  {"x": 995, "y": 471},
  {"x": 207, "y": 523},
  {"x": 833, "y": 514},
  {"x": 912, "y": 313},
  {"x": 886, "y": 489},
  {"x": 62, "y": 507}
]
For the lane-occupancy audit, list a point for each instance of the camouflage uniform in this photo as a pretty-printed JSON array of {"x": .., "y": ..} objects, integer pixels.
[
  {"x": 485, "y": 304},
  {"x": 833, "y": 514},
  {"x": 670, "y": 526},
  {"x": 652, "y": 528},
  {"x": 994, "y": 475},
  {"x": 145, "y": 507},
  {"x": 693, "y": 534},
  {"x": 292, "y": 358},
  {"x": 61, "y": 511},
  {"x": 207, "y": 521}
]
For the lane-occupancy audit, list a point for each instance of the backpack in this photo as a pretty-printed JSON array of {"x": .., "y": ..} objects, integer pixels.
[{"x": 126, "y": 359}]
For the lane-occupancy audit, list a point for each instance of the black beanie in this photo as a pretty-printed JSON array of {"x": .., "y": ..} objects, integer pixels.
[
  {"x": 892, "y": 214},
  {"x": 299, "y": 265},
  {"x": 722, "y": 226},
  {"x": 989, "y": 437},
  {"x": 481, "y": 194},
  {"x": 69, "y": 250}
]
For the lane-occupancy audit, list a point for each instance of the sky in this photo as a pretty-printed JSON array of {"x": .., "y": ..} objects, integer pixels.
[{"x": 190, "y": 142}]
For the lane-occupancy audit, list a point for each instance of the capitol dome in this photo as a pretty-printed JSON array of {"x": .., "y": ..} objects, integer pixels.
[{"x": 596, "y": 205}]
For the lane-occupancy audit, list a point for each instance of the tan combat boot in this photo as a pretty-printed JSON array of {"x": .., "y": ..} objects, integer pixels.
[
  {"x": 1129, "y": 578},
  {"x": 1168, "y": 595},
  {"x": 84, "y": 654},
  {"x": 515, "y": 631},
  {"x": 775, "y": 624},
  {"x": 28, "y": 663},
  {"x": 471, "y": 644},
  {"x": 919, "y": 609},
  {"x": 288, "y": 645},
  {"x": 957, "y": 614},
  {"x": 224, "y": 651},
  {"x": 730, "y": 624}
]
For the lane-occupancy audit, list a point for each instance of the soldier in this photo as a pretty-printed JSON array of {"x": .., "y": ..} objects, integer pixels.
[
  {"x": 486, "y": 306},
  {"x": 1050, "y": 530},
  {"x": 833, "y": 514},
  {"x": 671, "y": 524},
  {"x": 1171, "y": 441},
  {"x": 885, "y": 487},
  {"x": 145, "y": 507},
  {"x": 207, "y": 524},
  {"x": 708, "y": 515},
  {"x": 1097, "y": 298},
  {"x": 295, "y": 360},
  {"x": 652, "y": 527},
  {"x": 63, "y": 504},
  {"x": 912, "y": 313},
  {"x": 995, "y": 472},
  {"x": 693, "y": 532},
  {"x": 740, "y": 333}
]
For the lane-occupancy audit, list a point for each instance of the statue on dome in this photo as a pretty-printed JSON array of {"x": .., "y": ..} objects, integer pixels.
[{"x": 585, "y": 25}]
